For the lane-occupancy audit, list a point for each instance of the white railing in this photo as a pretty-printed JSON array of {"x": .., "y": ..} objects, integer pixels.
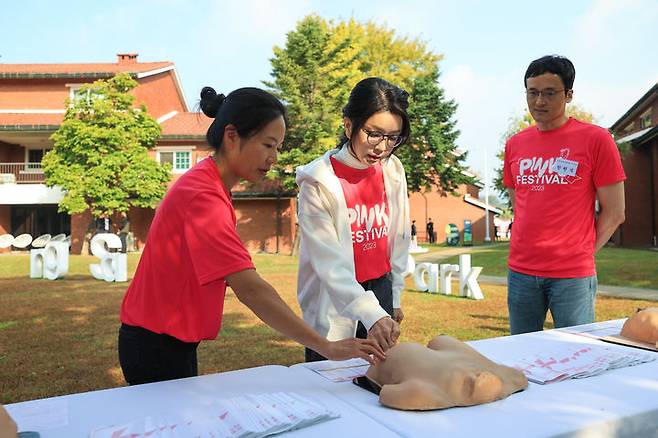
[{"x": 21, "y": 173}]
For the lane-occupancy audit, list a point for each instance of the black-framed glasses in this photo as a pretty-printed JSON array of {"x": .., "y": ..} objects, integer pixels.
[
  {"x": 376, "y": 137},
  {"x": 548, "y": 93}
]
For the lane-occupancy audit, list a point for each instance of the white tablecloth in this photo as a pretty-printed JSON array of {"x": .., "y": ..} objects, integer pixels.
[
  {"x": 618, "y": 403},
  {"x": 193, "y": 397},
  {"x": 621, "y": 402}
]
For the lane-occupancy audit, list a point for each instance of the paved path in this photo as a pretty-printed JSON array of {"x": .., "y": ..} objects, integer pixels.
[{"x": 612, "y": 291}]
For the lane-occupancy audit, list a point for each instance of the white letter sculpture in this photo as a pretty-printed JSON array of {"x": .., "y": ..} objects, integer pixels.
[
  {"x": 445, "y": 277},
  {"x": 50, "y": 262},
  {"x": 468, "y": 278},
  {"x": 432, "y": 270},
  {"x": 113, "y": 265}
]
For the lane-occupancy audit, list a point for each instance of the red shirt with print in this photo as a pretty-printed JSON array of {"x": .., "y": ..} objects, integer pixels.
[
  {"x": 367, "y": 206},
  {"x": 555, "y": 175},
  {"x": 178, "y": 288}
]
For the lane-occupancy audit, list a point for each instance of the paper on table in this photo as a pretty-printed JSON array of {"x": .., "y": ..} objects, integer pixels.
[
  {"x": 40, "y": 415},
  {"x": 339, "y": 370},
  {"x": 250, "y": 416},
  {"x": 554, "y": 362}
]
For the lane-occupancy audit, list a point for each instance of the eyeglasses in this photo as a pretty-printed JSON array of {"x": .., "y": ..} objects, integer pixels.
[
  {"x": 375, "y": 137},
  {"x": 549, "y": 93}
]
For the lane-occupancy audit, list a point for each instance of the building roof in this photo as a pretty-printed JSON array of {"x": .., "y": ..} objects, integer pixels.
[
  {"x": 636, "y": 106},
  {"x": 186, "y": 125},
  {"x": 482, "y": 205},
  {"x": 100, "y": 70},
  {"x": 641, "y": 137}
]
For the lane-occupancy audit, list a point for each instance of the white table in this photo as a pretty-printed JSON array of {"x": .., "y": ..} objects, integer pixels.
[
  {"x": 193, "y": 397},
  {"x": 621, "y": 402}
]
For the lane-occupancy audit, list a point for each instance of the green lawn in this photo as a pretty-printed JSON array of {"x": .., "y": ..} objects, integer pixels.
[
  {"x": 615, "y": 266},
  {"x": 59, "y": 337}
]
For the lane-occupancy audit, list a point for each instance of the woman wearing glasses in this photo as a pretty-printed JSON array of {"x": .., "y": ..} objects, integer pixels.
[{"x": 354, "y": 222}]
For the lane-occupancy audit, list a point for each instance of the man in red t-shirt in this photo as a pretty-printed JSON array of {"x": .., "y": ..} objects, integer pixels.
[{"x": 554, "y": 172}]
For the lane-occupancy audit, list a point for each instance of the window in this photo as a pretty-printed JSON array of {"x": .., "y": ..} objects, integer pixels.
[
  {"x": 33, "y": 159},
  {"x": 180, "y": 160},
  {"x": 76, "y": 93},
  {"x": 645, "y": 120}
]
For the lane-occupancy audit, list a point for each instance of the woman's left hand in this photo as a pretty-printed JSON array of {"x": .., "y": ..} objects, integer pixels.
[{"x": 398, "y": 315}]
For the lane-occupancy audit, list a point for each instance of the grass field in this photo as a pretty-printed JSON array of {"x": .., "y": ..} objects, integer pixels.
[
  {"x": 615, "y": 266},
  {"x": 59, "y": 337}
]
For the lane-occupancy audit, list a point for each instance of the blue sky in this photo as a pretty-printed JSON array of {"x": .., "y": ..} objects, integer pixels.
[{"x": 486, "y": 46}]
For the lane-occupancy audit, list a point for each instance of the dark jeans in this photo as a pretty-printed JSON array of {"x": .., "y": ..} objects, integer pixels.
[
  {"x": 148, "y": 357},
  {"x": 382, "y": 287},
  {"x": 570, "y": 300}
]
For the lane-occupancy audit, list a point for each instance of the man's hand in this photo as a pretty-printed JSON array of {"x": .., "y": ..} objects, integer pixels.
[
  {"x": 353, "y": 347},
  {"x": 398, "y": 315},
  {"x": 385, "y": 332}
]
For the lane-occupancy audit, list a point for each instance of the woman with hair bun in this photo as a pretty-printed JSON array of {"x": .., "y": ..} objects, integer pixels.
[
  {"x": 354, "y": 222},
  {"x": 193, "y": 252}
]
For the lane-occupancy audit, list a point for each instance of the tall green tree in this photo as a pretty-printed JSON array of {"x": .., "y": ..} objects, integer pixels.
[
  {"x": 320, "y": 64},
  {"x": 521, "y": 122},
  {"x": 430, "y": 157},
  {"x": 306, "y": 79},
  {"x": 100, "y": 155}
]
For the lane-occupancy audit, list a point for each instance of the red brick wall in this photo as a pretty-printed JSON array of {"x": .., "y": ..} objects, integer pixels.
[
  {"x": 447, "y": 209},
  {"x": 157, "y": 91},
  {"x": 257, "y": 224},
  {"x": 636, "y": 230},
  {"x": 5, "y": 223},
  {"x": 34, "y": 93},
  {"x": 11, "y": 153}
]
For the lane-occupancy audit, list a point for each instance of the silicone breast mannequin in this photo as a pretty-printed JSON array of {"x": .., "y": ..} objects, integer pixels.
[
  {"x": 642, "y": 326},
  {"x": 444, "y": 374}
]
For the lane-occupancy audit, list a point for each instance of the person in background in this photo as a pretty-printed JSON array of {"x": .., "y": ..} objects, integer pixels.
[
  {"x": 124, "y": 229},
  {"x": 194, "y": 252},
  {"x": 414, "y": 232},
  {"x": 354, "y": 222},
  {"x": 554, "y": 171},
  {"x": 430, "y": 231}
]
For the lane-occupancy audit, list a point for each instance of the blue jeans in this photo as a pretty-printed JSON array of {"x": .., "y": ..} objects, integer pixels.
[{"x": 570, "y": 300}]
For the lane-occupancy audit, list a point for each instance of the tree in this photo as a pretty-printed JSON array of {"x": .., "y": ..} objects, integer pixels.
[
  {"x": 100, "y": 155},
  {"x": 430, "y": 157},
  {"x": 518, "y": 124},
  {"x": 306, "y": 79},
  {"x": 320, "y": 64}
]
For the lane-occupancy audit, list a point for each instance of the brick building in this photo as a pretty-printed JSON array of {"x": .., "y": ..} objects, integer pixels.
[
  {"x": 638, "y": 129},
  {"x": 32, "y": 106}
]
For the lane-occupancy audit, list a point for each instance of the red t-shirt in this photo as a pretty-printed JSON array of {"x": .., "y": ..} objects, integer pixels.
[
  {"x": 179, "y": 285},
  {"x": 555, "y": 175},
  {"x": 368, "y": 212}
]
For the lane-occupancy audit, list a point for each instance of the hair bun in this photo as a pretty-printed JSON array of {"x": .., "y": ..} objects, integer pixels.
[{"x": 210, "y": 101}]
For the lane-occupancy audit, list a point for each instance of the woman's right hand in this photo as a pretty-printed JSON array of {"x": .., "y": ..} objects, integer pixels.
[
  {"x": 385, "y": 332},
  {"x": 366, "y": 349}
]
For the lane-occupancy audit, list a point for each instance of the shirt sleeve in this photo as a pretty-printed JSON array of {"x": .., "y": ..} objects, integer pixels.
[
  {"x": 607, "y": 168},
  {"x": 508, "y": 179},
  {"x": 212, "y": 239}
]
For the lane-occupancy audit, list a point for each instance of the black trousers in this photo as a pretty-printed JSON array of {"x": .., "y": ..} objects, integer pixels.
[
  {"x": 382, "y": 287},
  {"x": 147, "y": 357}
]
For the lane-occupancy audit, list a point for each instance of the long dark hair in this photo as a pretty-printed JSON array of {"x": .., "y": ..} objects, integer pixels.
[
  {"x": 248, "y": 109},
  {"x": 371, "y": 96}
]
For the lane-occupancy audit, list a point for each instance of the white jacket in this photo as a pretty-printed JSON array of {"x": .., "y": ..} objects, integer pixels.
[{"x": 331, "y": 299}]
